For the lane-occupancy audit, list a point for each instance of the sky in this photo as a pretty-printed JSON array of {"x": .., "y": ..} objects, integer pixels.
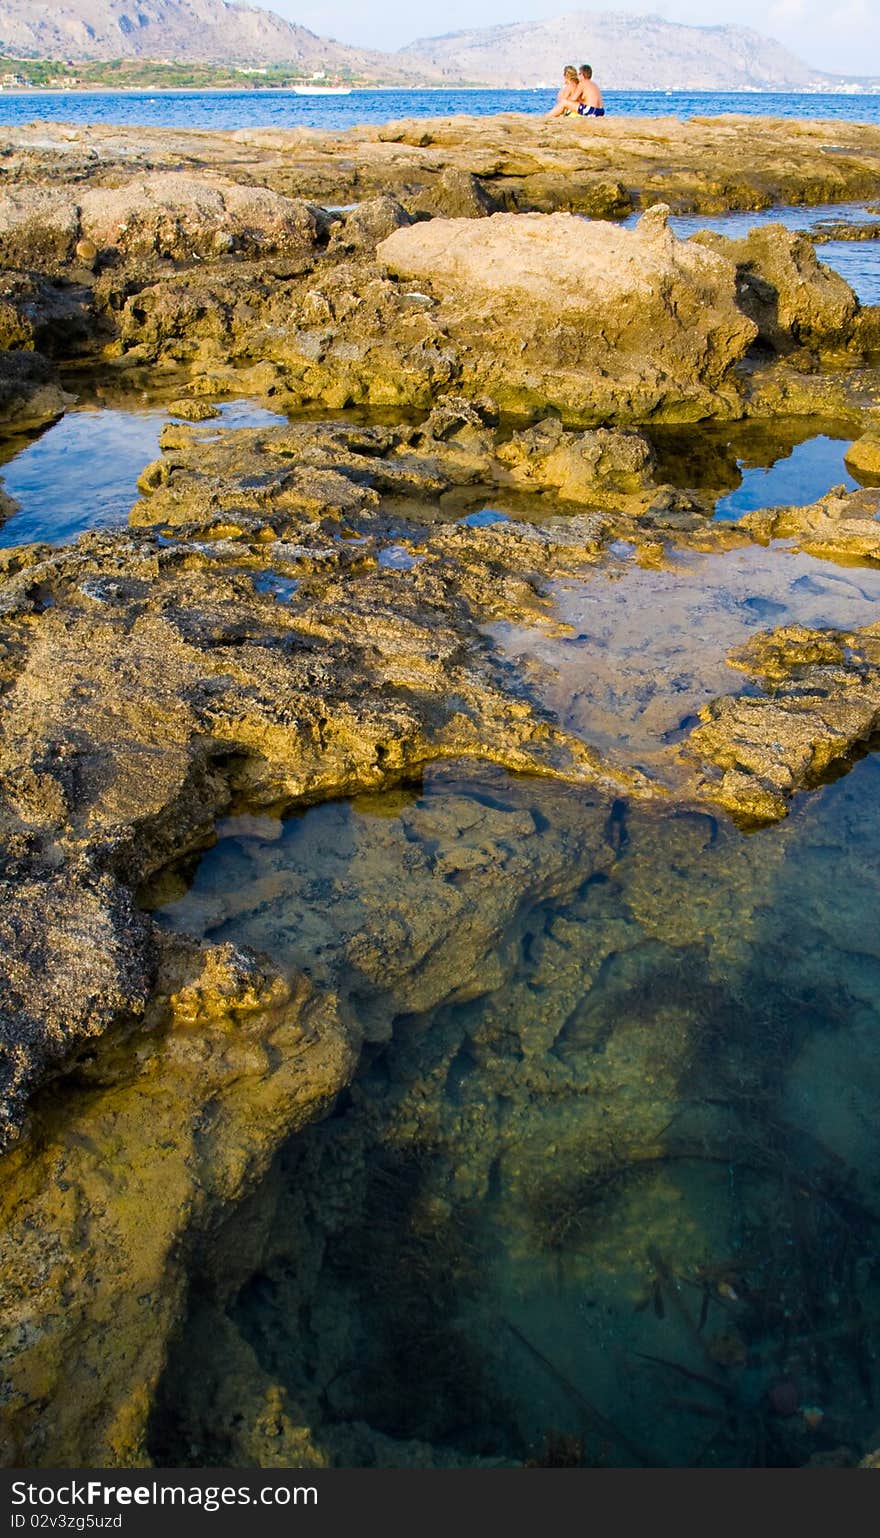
[{"x": 842, "y": 36}]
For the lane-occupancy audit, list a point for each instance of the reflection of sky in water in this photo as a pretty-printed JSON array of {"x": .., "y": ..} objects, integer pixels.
[
  {"x": 483, "y": 518},
  {"x": 804, "y": 475},
  {"x": 82, "y": 473}
]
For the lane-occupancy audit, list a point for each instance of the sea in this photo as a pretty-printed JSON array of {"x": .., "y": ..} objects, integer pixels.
[{"x": 285, "y": 109}]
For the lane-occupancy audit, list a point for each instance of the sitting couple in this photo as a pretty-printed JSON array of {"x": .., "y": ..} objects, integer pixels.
[{"x": 580, "y": 96}]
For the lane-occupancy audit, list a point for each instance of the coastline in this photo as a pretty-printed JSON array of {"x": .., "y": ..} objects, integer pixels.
[
  {"x": 438, "y": 876},
  {"x": 612, "y": 92}
]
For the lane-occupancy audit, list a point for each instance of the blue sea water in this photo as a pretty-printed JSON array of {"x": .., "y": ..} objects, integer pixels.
[{"x": 284, "y": 109}]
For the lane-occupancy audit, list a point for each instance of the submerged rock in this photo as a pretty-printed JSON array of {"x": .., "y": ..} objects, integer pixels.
[
  {"x": 144, "y": 686},
  {"x": 163, "y": 1134}
]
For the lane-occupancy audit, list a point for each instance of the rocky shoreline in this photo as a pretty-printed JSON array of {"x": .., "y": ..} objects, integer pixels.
[{"x": 302, "y": 613}]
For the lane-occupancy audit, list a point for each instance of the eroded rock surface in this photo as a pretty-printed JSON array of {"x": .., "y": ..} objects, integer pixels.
[
  {"x": 821, "y": 701},
  {"x": 271, "y": 478},
  {"x": 133, "y": 673},
  {"x": 704, "y": 164},
  {"x": 792, "y": 297},
  {"x": 598, "y": 323},
  {"x": 30, "y": 392},
  {"x": 99, "y": 1229},
  {"x": 841, "y": 525},
  {"x": 167, "y": 214}
]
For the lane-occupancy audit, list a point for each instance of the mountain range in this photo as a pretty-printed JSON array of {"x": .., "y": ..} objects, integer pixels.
[
  {"x": 183, "y": 31},
  {"x": 636, "y": 52}
]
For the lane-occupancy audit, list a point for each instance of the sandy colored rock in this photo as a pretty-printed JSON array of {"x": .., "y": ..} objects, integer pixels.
[
  {"x": 600, "y": 323},
  {"x": 309, "y": 617},
  {"x": 30, "y": 394},
  {"x": 791, "y": 295},
  {"x": 39, "y": 227},
  {"x": 862, "y": 458},
  {"x": 183, "y": 1122},
  {"x": 277, "y": 475},
  {"x": 172, "y": 214},
  {"x": 363, "y": 227},
  {"x": 840, "y": 526},
  {"x": 166, "y": 214},
  {"x": 457, "y": 194},
  {"x": 194, "y": 410},
  {"x": 705, "y": 164},
  {"x": 55, "y": 319},
  {"x": 134, "y": 673},
  {"x": 821, "y": 700}
]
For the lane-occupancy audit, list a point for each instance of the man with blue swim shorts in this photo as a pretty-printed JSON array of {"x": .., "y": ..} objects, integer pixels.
[{"x": 590, "y": 103}]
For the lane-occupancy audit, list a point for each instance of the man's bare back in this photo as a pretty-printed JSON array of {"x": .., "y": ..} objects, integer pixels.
[{"x": 590, "y": 103}]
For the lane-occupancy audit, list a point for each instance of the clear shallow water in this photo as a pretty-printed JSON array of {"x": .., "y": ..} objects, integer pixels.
[
  {"x": 283, "y": 109},
  {"x": 645, "y": 648},
  {"x": 82, "y": 473},
  {"x": 609, "y": 1193}
]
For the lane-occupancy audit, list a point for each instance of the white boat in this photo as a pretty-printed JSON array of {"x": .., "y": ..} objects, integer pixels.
[{"x": 322, "y": 90}]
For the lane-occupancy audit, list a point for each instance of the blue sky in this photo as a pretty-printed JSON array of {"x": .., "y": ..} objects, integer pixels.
[{"x": 837, "y": 35}]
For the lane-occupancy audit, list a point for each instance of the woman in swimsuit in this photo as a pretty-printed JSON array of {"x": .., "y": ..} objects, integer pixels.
[{"x": 568, "y": 100}]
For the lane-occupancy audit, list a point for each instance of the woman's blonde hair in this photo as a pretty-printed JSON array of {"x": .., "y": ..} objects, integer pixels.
[{"x": 570, "y": 72}]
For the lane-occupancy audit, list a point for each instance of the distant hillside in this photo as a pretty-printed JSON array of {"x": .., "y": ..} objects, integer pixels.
[
  {"x": 638, "y": 52},
  {"x": 213, "y": 31}
]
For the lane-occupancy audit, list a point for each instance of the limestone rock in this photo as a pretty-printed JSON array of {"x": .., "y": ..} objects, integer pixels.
[
  {"x": 168, "y": 214},
  {"x": 822, "y": 700},
  {"x": 30, "y": 395},
  {"x": 791, "y": 295},
  {"x": 368, "y": 223},
  {"x": 599, "y": 323},
  {"x": 862, "y": 458},
  {"x": 194, "y": 410},
  {"x": 39, "y": 227},
  {"x": 579, "y": 464},
  {"x": 456, "y": 194},
  {"x": 56, "y": 319},
  {"x": 330, "y": 470},
  {"x": 162, "y": 1136},
  {"x": 840, "y": 525},
  {"x": 177, "y": 215}
]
